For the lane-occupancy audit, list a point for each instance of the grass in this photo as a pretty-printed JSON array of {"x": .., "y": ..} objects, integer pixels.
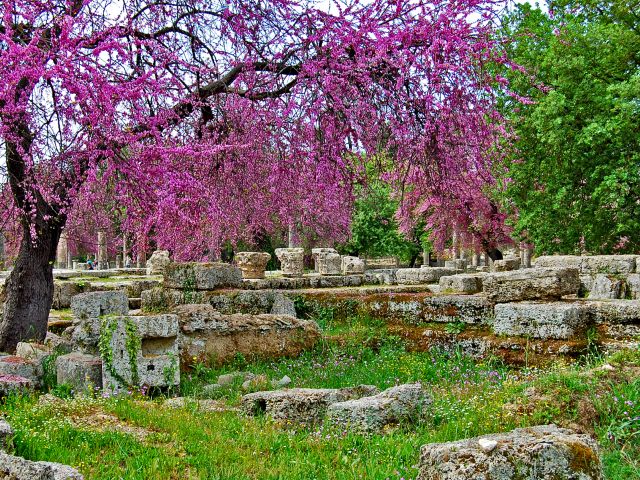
[{"x": 134, "y": 437}]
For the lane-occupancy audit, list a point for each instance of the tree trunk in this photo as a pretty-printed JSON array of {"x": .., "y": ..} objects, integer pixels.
[{"x": 29, "y": 289}]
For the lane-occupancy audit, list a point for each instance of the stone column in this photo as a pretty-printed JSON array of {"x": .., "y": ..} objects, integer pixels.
[
  {"x": 118, "y": 261},
  {"x": 103, "y": 257},
  {"x": 62, "y": 254},
  {"x": 425, "y": 257},
  {"x": 141, "y": 259},
  {"x": 292, "y": 236},
  {"x": 125, "y": 250},
  {"x": 526, "y": 257},
  {"x": 455, "y": 246},
  {"x": 316, "y": 252},
  {"x": 252, "y": 264}
]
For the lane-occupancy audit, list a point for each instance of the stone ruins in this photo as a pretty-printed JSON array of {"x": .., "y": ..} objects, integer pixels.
[{"x": 133, "y": 327}]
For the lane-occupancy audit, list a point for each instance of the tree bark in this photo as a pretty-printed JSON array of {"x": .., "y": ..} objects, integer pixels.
[{"x": 29, "y": 289}]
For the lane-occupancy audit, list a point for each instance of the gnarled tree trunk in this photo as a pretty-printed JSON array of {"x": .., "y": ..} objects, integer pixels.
[{"x": 29, "y": 289}]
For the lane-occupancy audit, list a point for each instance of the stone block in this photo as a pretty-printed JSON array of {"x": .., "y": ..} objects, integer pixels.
[
  {"x": 416, "y": 276},
  {"x": 64, "y": 291},
  {"x": 300, "y": 405},
  {"x": 316, "y": 252},
  {"x": 81, "y": 371},
  {"x": 458, "y": 264},
  {"x": 283, "y": 305},
  {"x": 329, "y": 263},
  {"x": 531, "y": 284},
  {"x": 96, "y": 304},
  {"x": 606, "y": 287},
  {"x": 352, "y": 265},
  {"x": 556, "y": 320},
  {"x": 140, "y": 350},
  {"x": 12, "y": 365},
  {"x": 380, "y": 276},
  {"x": 18, "y": 468},
  {"x": 400, "y": 404},
  {"x": 14, "y": 384},
  {"x": 193, "y": 276},
  {"x": 252, "y": 264},
  {"x": 507, "y": 264},
  {"x": 633, "y": 286},
  {"x": 461, "y": 283},
  {"x": 592, "y": 264},
  {"x": 158, "y": 262},
  {"x": 209, "y": 334},
  {"x": 291, "y": 261},
  {"x": 457, "y": 308},
  {"x": 615, "y": 312},
  {"x": 544, "y": 452}
]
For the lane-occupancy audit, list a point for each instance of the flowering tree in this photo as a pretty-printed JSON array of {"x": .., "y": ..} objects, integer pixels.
[{"x": 227, "y": 112}]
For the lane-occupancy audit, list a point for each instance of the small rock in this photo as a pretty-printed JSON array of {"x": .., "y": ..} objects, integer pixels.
[
  {"x": 283, "y": 382},
  {"x": 6, "y": 432},
  {"x": 487, "y": 445},
  {"x": 211, "y": 389}
]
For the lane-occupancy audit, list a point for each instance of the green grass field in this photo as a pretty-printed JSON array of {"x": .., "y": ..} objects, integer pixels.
[{"x": 134, "y": 437}]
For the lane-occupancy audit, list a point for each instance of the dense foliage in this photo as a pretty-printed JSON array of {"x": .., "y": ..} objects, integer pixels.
[{"x": 576, "y": 180}]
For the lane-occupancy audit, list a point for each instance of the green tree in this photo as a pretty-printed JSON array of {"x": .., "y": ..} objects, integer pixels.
[
  {"x": 374, "y": 228},
  {"x": 575, "y": 180}
]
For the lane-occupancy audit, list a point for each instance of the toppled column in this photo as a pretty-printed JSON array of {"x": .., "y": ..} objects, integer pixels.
[
  {"x": 103, "y": 256},
  {"x": 291, "y": 260},
  {"x": 329, "y": 263},
  {"x": 252, "y": 264},
  {"x": 352, "y": 265}
]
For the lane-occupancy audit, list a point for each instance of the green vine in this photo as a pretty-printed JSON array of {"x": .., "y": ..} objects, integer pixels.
[
  {"x": 133, "y": 344},
  {"x": 189, "y": 286}
]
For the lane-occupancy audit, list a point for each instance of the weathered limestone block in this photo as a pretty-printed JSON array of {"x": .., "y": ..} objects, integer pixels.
[
  {"x": 381, "y": 276},
  {"x": 83, "y": 372},
  {"x": 457, "y": 308},
  {"x": 352, "y": 265},
  {"x": 591, "y": 265},
  {"x": 556, "y": 320},
  {"x": 329, "y": 263},
  {"x": 544, "y": 452},
  {"x": 201, "y": 276},
  {"x": 400, "y": 404},
  {"x": 12, "y": 365},
  {"x": 334, "y": 281},
  {"x": 283, "y": 305},
  {"x": 140, "y": 350},
  {"x": 507, "y": 264},
  {"x": 531, "y": 284},
  {"x": 316, "y": 252},
  {"x": 291, "y": 261},
  {"x": 18, "y": 468},
  {"x": 416, "y": 276},
  {"x": 615, "y": 312},
  {"x": 211, "y": 335},
  {"x": 252, "y": 264},
  {"x": 134, "y": 288},
  {"x": 14, "y": 383},
  {"x": 96, "y": 304},
  {"x": 158, "y": 262},
  {"x": 300, "y": 405},
  {"x": 461, "y": 283},
  {"x": 633, "y": 286},
  {"x": 606, "y": 287},
  {"x": 457, "y": 264},
  {"x": 64, "y": 291}
]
